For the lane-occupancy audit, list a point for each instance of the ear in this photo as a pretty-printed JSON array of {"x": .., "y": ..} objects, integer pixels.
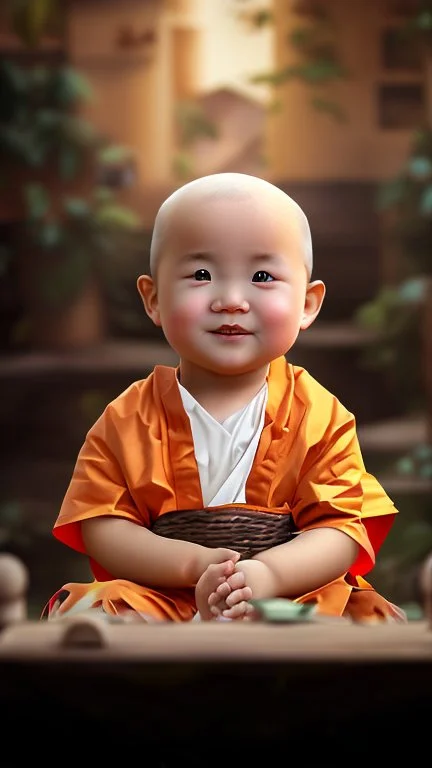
[
  {"x": 314, "y": 298},
  {"x": 147, "y": 291}
]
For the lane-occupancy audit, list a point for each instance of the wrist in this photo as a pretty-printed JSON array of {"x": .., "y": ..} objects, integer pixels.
[
  {"x": 198, "y": 563},
  {"x": 260, "y": 578}
]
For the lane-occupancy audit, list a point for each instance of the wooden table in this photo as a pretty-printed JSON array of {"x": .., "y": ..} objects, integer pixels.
[{"x": 218, "y": 693}]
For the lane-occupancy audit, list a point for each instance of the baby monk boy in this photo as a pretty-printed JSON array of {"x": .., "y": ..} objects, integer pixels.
[{"x": 172, "y": 478}]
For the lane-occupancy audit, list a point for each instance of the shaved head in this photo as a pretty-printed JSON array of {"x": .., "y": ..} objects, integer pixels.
[{"x": 228, "y": 186}]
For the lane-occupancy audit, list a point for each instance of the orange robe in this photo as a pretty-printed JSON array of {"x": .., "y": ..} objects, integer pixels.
[{"x": 138, "y": 462}]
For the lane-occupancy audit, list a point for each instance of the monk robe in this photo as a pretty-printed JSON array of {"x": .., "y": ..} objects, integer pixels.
[{"x": 138, "y": 463}]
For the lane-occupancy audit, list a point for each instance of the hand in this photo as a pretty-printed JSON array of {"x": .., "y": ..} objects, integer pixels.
[
  {"x": 230, "y": 599},
  {"x": 214, "y": 576},
  {"x": 205, "y": 556},
  {"x": 251, "y": 579}
]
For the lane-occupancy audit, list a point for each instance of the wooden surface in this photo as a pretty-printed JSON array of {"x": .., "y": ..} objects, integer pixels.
[
  {"x": 208, "y": 694},
  {"x": 332, "y": 640}
]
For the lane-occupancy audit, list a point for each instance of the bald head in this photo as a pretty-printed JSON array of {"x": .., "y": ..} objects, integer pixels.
[{"x": 228, "y": 186}]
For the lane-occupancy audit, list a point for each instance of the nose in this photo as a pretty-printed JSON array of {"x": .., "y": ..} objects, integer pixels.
[{"x": 231, "y": 301}]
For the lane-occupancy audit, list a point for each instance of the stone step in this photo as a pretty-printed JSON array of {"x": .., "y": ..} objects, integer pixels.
[
  {"x": 331, "y": 352},
  {"x": 138, "y": 356},
  {"x": 42, "y": 388},
  {"x": 392, "y": 436}
]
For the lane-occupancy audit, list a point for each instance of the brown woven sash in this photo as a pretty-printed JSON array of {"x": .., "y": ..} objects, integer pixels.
[{"x": 247, "y": 531}]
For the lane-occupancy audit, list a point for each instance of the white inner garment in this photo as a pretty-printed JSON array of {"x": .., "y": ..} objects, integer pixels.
[{"x": 225, "y": 450}]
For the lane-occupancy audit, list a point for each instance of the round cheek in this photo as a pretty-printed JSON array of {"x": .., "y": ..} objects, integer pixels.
[
  {"x": 182, "y": 316},
  {"x": 279, "y": 312},
  {"x": 280, "y": 321},
  {"x": 187, "y": 309}
]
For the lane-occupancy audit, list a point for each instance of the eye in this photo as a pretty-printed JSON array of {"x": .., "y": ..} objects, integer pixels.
[
  {"x": 202, "y": 274},
  {"x": 262, "y": 277}
]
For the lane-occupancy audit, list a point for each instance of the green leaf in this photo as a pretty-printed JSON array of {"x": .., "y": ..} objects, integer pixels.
[
  {"x": 69, "y": 162},
  {"x": 79, "y": 132},
  {"x": 76, "y": 207},
  {"x": 280, "y": 610},
  {"x": 300, "y": 37},
  {"x": 71, "y": 88},
  {"x": 413, "y": 291},
  {"x": 330, "y": 107},
  {"x": 62, "y": 282},
  {"x": 425, "y": 471},
  {"x": 114, "y": 154},
  {"x": 37, "y": 201},
  {"x": 182, "y": 165},
  {"x": 424, "y": 21},
  {"x": 420, "y": 167},
  {"x": 47, "y": 119},
  {"x": 371, "y": 316},
  {"x": 102, "y": 195},
  {"x": 405, "y": 466},
  {"x": 117, "y": 216},
  {"x": 40, "y": 78},
  {"x": 14, "y": 77},
  {"x": 261, "y": 18},
  {"x": 49, "y": 235},
  {"x": 426, "y": 202},
  {"x": 321, "y": 71},
  {"x": 423, "y": 452}
]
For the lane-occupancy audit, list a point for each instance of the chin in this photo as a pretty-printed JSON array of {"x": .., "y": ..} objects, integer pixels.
[{"x": 236, "y": 370}]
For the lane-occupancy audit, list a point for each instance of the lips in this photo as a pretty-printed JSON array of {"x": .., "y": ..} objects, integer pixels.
[{"x": 231, "y": 330}]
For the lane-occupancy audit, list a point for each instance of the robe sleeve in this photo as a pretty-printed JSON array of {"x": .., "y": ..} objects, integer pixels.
[
  {"x": 98, "y": 487},
  {"x": 330, "y": 492}
]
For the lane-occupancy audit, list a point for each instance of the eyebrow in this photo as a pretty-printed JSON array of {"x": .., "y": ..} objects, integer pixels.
[
  {"x": 198, "y": 256},
  {"x": 268, "y": 258}
]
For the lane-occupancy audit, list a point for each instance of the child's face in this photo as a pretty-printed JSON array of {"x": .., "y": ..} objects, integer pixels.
[{"x": 232, "y": 288}]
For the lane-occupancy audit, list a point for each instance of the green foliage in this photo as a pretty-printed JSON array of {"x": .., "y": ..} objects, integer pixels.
[
  {"x": 55, "y": 151},
  {"x": 418, "y": 463},
  {"x": 38, "y": 127},
  {"x": 318, "y": 63},
  {"x": 192, "y": 124},
  {"x": 395, "y": 313},
  {"x": 395, "y": 317},
  {"x": 85, "y": 232}
]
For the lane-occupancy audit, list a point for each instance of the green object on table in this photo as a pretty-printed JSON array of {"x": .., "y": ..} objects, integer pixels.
[{"x": 279, "y": 610}]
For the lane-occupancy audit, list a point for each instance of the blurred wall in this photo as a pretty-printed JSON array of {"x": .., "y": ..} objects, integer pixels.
[
  {"x": 304, "y": 144},
  {"x": 141, "y": 58}
]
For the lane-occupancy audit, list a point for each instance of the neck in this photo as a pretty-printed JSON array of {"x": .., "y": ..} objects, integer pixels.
[{"x": 222, "y": 395}]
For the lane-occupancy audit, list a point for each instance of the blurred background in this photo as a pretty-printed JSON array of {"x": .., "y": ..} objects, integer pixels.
[{"x": 107, "y": 106}]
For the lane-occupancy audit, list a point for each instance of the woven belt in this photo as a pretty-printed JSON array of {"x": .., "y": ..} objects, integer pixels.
[{"x": 247, "y": 531}]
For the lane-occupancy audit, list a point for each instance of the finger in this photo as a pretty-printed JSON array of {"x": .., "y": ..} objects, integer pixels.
[
  {"x": 237, "y": 580},
  {"x": 223, "y": 590},
  {"x": 238, "y": 596},
  {"x": 215, "y": 599},
  {"x": 239, "y": 611},
  {"x": 222, "y": 569},
  {"x": 398, "y": 614},
  {"x": 219, "y": 605},
  {"x": 230, "y": 554}
]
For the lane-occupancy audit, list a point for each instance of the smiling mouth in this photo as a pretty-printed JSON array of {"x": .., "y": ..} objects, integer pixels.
[{"x": 231, "y": 330}]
